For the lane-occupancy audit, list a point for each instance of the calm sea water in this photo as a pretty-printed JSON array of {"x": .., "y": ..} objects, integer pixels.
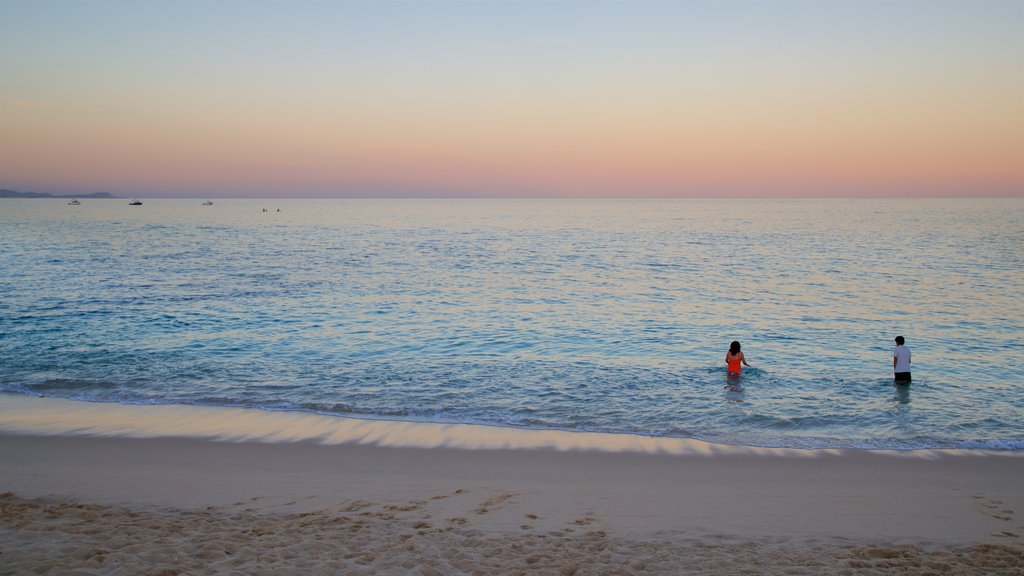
[{"x": 577, "y": 315}]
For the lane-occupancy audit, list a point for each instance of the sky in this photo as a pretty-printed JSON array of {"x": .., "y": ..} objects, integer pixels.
[{"x": 516, "y": 98}]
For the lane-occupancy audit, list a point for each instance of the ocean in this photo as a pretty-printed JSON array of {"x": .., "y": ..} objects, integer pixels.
[{"x": 578, "y": 315}]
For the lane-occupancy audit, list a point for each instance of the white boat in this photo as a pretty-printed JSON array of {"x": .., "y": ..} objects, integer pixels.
[
  {"x": 135, "y": 203},
  {"x": 74, "y": 202},
  {"x": 208, "y": 203}
]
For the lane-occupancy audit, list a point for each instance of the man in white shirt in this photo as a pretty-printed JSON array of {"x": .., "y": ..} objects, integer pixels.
[{"x": 901, "y": 362}]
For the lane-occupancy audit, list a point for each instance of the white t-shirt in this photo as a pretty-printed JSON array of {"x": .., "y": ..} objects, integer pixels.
[{"x": 902, "y": 356}]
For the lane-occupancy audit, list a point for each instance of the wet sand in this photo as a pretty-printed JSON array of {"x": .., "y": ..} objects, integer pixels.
[{"x": 75, "y": 504}]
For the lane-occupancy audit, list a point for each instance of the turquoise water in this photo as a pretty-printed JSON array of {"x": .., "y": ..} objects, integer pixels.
[{"x": 578, "y": 315}]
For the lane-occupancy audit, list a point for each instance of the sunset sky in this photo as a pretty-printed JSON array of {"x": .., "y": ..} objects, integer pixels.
[{"x": 494, "y": 98}]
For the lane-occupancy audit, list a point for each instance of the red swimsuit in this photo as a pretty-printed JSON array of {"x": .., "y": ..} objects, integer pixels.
[{"x": 734, "y": 364}]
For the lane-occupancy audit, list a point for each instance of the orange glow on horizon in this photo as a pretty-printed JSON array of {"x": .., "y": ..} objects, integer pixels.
[{"x": 606, "y": 112}]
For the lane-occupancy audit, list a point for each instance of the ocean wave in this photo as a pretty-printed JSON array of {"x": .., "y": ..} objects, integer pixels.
[{"x": 440, "y": 417}]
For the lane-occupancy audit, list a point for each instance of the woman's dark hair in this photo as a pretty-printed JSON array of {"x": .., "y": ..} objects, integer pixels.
[{"x": 734, "y": 347}]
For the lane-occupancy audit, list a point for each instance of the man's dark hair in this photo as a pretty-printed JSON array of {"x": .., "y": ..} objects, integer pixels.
[{"x": 899, "y": 340}]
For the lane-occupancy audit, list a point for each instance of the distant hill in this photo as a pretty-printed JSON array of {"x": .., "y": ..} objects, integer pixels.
[{"x": 16, "y": 194}]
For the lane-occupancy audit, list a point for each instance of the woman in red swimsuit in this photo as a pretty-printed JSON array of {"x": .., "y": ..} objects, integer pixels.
[{"x": 734, "y": 358}]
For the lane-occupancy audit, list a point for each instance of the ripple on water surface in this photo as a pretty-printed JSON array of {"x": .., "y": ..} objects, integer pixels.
[{"x": 585, "y": 315}]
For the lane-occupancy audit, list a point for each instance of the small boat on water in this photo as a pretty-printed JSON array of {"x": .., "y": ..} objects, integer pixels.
[
  {"x": 208, "y": 203},
  {"x": 74, "y": 202},
  {"x": 135, "y": 203}
]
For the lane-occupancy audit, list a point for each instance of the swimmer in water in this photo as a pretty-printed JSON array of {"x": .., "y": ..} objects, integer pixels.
[
  {"x": 734, "y": 358},
  {"x": 901, "y": 361}
]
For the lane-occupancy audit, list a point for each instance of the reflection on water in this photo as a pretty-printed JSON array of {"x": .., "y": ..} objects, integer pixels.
[
  {"x": 734, "y": 387},
  {"x": 733, "y": 391},
  {"x": 607, "y": 316},
  {"x": 902, "y": 393}
]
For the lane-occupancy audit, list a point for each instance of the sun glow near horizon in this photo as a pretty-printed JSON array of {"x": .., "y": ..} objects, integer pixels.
[{"x": 563, "y": 99}]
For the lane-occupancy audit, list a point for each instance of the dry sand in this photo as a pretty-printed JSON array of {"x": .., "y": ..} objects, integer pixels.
[{"x": 117, "y": 505}]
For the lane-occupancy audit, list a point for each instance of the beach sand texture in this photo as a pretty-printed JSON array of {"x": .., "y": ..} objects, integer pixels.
[
  {"x": 86, "y": 505},
  {"x": 61, "y": 537}
]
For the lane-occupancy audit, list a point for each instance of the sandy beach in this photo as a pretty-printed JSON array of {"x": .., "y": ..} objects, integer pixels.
[{"x": 85, "y": 502}]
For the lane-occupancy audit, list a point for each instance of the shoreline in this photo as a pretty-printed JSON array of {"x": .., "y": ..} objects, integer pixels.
[
  {"x": 34, "y": 415},
  {"x": 369, "y": 504}
]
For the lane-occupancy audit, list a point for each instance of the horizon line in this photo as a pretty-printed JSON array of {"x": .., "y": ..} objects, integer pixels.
[
  {"x": 96, "y": 195},
  {"x": 554, "y": 198}
]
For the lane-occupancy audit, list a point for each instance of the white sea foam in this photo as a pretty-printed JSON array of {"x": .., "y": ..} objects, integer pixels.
[{"x": 46, "y": 416}]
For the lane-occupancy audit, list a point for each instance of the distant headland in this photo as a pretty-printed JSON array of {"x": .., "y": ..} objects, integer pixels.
[{"x": 16, "y": 194}]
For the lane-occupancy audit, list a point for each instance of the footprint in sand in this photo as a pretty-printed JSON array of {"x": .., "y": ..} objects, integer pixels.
[
  {"x": 992, "y": 508},
  {"x": 357, "y": 505},
  {"x": 995, "y": 509},
  {"x": 410, "y": 507},
  {"x": 249, "y": 501},
  {"x": 443, "y": 496},
  {"x": 494, "y": 503},
  {"x": 530, "y": 517},
  {"x": 587, "y": 520}
]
